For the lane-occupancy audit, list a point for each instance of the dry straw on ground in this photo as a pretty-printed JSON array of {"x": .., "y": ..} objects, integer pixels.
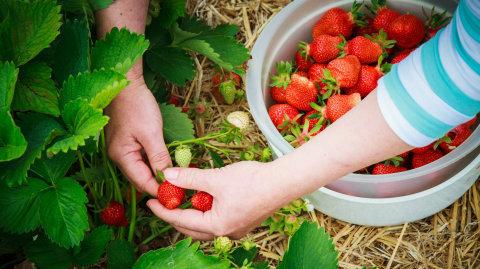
[{"x": 450, "y": 239}]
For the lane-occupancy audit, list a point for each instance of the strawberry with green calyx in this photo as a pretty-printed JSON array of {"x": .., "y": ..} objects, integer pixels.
[
  {"x": 183, "y": 156},
  {"x": 228, "y": 91},
  {"x": 382, "y": 168},
  {"x": 316, "y": 122},
  {"x": 435, "y": 22},
  {"x": 302, "y": 57},
  {"x": 222, "y": 245},
  {"x": 282, "y": 115},
  {"x": 280, "y": 81},
  {"x": 202, "y": 201},
  {"x": 301, "y": 92},
  {"x": 383, "y": 41},
  {"x": 401, "y": 55},
  {"x": 408, "y": 30},
  {"x": 336, "y": 21},
  {"x": 345, "y": 70},
  {"x": 239, "y": 119},
  {"x": 221, "y": 76},
  {"x": 454, "y": 138},
  {"x": 429, "y": 156},
  {"x": 325, "y": 48},
  {"x": 368, "y": 29},
  {"x": 366, "y": 50},
  {"x": 368, "y": 78},
  {"x": 315, "y": 74},
  {"x": 330, "y": 85},
  {"x": 114, "y": 215},
  {"x": 424, "y": 149},
  {"x": 338, "y": 105},
  {"x": 169, "y": 195},
  {"x": 384, "y": 16}
]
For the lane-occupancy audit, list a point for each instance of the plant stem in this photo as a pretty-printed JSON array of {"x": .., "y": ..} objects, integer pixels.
[
  {"x": 196, "y": 140},
  {"x": 87, "y": 180},
  {"x": 155, "y": 235},
  {"x": 117, "y": 193},
  {"x": 133, "y": 214}
]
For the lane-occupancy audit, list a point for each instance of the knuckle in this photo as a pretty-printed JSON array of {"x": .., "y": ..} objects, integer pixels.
[{"x": 161, "y": 157}]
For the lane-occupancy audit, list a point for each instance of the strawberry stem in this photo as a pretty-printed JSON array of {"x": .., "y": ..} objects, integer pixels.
[{"x": 133, "y": 213}]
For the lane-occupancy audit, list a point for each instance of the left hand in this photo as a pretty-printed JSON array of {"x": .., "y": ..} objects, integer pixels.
[{"x": 244, "y": 195}]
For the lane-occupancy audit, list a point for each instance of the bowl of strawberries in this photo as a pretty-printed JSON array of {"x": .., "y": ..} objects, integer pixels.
[{"x": 313, "y": 62}]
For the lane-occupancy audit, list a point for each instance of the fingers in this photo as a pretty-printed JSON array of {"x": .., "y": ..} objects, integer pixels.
[
  {"x": 191, "y": 178},
  {"x": 134, "y": 167},
  {"x": 189, "y": 219},
  {"x": 193, "y": 234},
  {"x": 157, "y": 152}
]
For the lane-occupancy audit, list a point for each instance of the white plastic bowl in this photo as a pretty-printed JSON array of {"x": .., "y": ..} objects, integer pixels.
[{"x": 357, "y": 198}]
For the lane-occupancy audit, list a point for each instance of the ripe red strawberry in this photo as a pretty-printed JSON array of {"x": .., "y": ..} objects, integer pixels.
[
  {"x": 365, "y": 49},
  {"x": 345, "y": 70},
  {"x": 407, "y": 30},
  {"x": 170, "y": 196},
  {"x": 367, "y": 80},
  {"x": 401, "y": 55},
  {"x": 337, "y": 21},
  {"x": 220, "y": 77},
  {"x": 381, "y": 168},
  {"x": 384, "y": 16},
  {"x": 338, "y": 105},
  {"x": 174, "y": 100},
  {"x": 279, "y": 113},
  {"x": 457, "y": 135},
  {"x": 302, "y": 57},
  {"x": 422, "y": 149},
  {"x": 325, "y": 48},
  {"x": 404, "y": 155},
  {"x": 301, "y": 92},
  {"x": 202, "y": 201},
  {"x": 365, "y": 30},
  {"x": 302, "y": 73},
  {"x": 425, "y": 158},
  {"x": 314, "y": 117},
  {"x": 114, "y": 215},
  {"x": 315, "y": 74},
  {"x": 280, "y": 81}
]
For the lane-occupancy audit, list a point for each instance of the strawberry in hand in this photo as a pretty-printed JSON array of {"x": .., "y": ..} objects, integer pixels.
[{"x": 202, "y": 201}]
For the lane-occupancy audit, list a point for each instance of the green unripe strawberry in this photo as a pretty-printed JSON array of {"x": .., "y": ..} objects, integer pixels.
[
  {"x": 222, "y": 245},
  {"x": 183, "y": 156},
  {"x": 228, "y": 91}
]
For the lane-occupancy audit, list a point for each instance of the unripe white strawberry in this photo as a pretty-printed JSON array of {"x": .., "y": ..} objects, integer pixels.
[
  {"x": 222, "y": 244},
  {"x": 183, "y": 156},
  {"x": 239, "y": 119}
]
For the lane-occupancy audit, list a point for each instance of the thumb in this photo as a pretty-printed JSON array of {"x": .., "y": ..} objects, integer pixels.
[
  {"x": 157, "y": 152},
  {"x": 190, "y": 178}
]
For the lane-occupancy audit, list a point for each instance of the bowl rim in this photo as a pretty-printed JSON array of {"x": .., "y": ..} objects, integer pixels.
[{"x": 258, "y": 106}]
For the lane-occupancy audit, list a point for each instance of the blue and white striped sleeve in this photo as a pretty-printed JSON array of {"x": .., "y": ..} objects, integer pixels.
[{"x": 437, "y": 87}]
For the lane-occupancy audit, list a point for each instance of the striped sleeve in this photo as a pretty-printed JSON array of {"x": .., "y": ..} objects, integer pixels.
[{"x": 437, "y": 87}]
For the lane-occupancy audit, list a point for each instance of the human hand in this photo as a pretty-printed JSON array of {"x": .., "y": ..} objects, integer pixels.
[
  {"x": 135, "y": 130},
  {"x": 244, "y": 195}
]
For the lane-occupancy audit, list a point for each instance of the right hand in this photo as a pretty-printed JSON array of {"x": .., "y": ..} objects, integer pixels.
[{"x": 134, "y": 136}]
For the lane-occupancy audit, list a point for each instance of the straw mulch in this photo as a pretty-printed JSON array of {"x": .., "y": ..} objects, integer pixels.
[{"x": 450, "y": 239}]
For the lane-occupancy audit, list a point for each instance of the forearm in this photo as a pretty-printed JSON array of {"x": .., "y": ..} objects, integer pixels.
[
  {"x": 131, "y": 14},
  {"x": 360, "y": 138}
]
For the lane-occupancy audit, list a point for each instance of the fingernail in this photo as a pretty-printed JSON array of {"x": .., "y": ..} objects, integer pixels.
[{"x": 171, "y": 173}]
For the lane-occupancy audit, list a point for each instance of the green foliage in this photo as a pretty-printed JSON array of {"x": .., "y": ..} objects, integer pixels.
[
  {"x": 93, "y": 247},
  {"x": 182, "y": 255},
  {"x": 170, "y": 11},
  {"x": 176, "y": 125},
  {"x": 35, "y": 90},
  {"x": 12, "y": 142},
  {"x": 288, "y": 219},
  {"x": 97, "y": 88},
  {"x": 28, "y": 28},
  {"x": 171, "y": 63},
  {"x": 39, "y": 130},
  {"x": 119, "y": 50},
  {"x": 55, "y": 167},
  {"x": 8, "y": 78},
  {"x": 46, "y": 254},
  {"x": 120, "y": 254},
  {"x": 83, "y": 121},
  {"x": 71, "y": 52},
  {"x": 310, "y": 247},
  {"x": 100, "y": 4}
]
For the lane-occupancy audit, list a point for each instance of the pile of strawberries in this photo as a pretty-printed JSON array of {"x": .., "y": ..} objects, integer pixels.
[{"x": 348, "y": 53}]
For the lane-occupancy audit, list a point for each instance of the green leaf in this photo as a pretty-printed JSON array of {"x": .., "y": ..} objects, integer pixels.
[
  {"x": 8, "y": 78},
  {"x": 240, "y": 254},
  {"x": 63, "y": 213},
  {"x": 39, "y": 130},
  {"x": 77, "y": 7},
  {"x": 170, "y": 11},
  {"x": 173, "y": 64},
  {"x": 13, "y": 243},
  {"x": 217, "y": 160},
  {"x": 119, "y": 50},
  {"x": 100, "y": 4},
  {"x": 72, "y": 51},
  {"x": 12, "y": 141},
  {"x": 55, "y": 167},
  {"x": 176, "y": 125},
  {"x": 98, "y": 88},
  {"x": 182, "y": 255},
  {"x": 120, "y": 254},
  {"x": 92, "y": 248},
  {"x": 46, "y": 254},
  {"x": 35, "y": 90},
  {"x": 310, "y": 247},
  {"x": 28, "y": 28},
  {"x": 20, "y": 206},
  {"x": 83, "y": 121},
  {"x": 216, "y": 44}
]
